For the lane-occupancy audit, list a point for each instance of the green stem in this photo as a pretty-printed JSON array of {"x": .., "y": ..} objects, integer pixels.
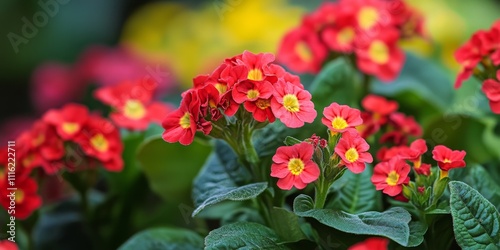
[
  {"x": 365, "y": 84},
  {"x": 321, "y": 191}
]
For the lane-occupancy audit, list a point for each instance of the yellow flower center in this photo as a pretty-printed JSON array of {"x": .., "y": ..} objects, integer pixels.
[
  {"x": 378, "y": 52},
  {"x": 351, "y": 155},
  {"x": 99, "y": 143},
  {"x": 70, "y": 127},
  {"x": 255, "y": 74},
  {"x": 19, "y": 196},
  {"x": 185, "y": 121},
  {"x": 392, "y": 178},
  {"x": 367, "y": 17},
  {"x": 222, "y": 88},
  {"x": 446, "y": 160},
  {"x": 303, "y": 51},
  {"x": 345, "y": 36},
  {"x": 291, "y": 103},
  {"x": 262, "y": 103},
  {"x": 339, "y": 123},
  {"x": 252, "y": 94},
  {"x": 296, "y": 166},
  {"x": 38, "y": 140},
  {"x": 28, "y": 160},
  {"x": 134, "y": 109}
]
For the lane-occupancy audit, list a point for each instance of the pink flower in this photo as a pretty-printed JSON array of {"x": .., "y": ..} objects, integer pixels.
[
  {"x": 293, "y": 166},
  {"x": 353, "y": 151},
  {"x": 292, "y": 104},
  {"x": 390, "y": 176},
  {"x": 339, "y": 118}
]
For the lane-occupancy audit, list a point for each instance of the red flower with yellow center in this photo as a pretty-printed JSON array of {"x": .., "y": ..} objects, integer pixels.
[
  {"x": 390, "y": 176},
  {"x": 292, "y": 104},
  {"x": 100, "y": 139},
  {"x": 381, "y": 56},
  {"x": 293, "y": 166},
  {"x": 448, "y": 159},
  {"x": 68, "y": 121},
  {"x": 133, "y": 104},
  {"x": 181, "y": 125},
  {"x": 25, "y": 199},
  {"x": 339, "y": 118},
  {"x": 353, "y": 151}
]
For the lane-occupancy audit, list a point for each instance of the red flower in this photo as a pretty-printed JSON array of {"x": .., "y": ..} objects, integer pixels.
[
  {"x": 68, "y": 121},
  {"x": 292, "y": 104},
  {"x": 423, "y": 169},
  {"x": 133, "y": 104},
  {"x": 390, "y": 176},
  {"x": 8, "y": 245},
  {"x": 373, "y": 243},
  {"x": 181, "y": 125},
  {"x": 100, "y": 139},
  {"x": 448, "y": 159},
  {"x": 339, "y": 118},
  {"x": 22, "y": 201},
  {"x": 353, "y": 151},
  {"x": 256, "y": 97},
  {"x": 302, "y": 51},
  {"x": 340, "y": 38},
  {"x": 368, "y": 14},
  {"x": 491, "y": 89},
  {"x": 379, "y": 106},
  {"x": 380, "y": 56},
  {"x": 256, "y": 64},
  {"x": 385, "y": 154},
  {"x": 404, "y": 127},
  {"x": 293, "y": 166}
]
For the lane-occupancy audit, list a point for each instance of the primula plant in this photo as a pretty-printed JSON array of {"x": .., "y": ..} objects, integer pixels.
[{"x": 363, "y": 150}]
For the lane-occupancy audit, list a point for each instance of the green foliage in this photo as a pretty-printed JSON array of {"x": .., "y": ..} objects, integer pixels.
[
  {"x": 476, "y": 222},
  {"x": 218, "y": 180},
  {"x": 164, "y": 239},
  {"x": 243, "y": 235},
  {"x": 355, "y": 193},
  {"x": 480, "y": 179},
  {"x": 392, "y": 223},
  {"x": 286, "y": 224},
  {"x": 169, "y": 167}
]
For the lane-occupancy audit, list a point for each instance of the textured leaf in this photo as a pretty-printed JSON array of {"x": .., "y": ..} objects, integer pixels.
[
  {"x": 481, "y": 180},
  {"x": 243, "y": 235},
  {"x": 476, "y": 222},
  {"x": 417, "y": 232},
  {"x": 171, "y": 167},
  {"x": 164, "y": 239},
  {"x": 286, "y": 224},
  {"x": 356, "y": 193},
  {"x": 218, "y": 180},
  {"x": 392, "y": 223}
]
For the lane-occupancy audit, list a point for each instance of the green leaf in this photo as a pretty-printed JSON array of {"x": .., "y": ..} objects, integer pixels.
[
  {"x": 356, "y": 193},
  {"x": 164, "y": 239},
  {"x": 423, "y": 77},
  {"x": 171, "y": 167},
  {"x": 481, "y": 180},
  {"x": 243, "y": 235},
  {"x": 392, "y": 223},
  {"x": 219, "y": 178},
  {"x": 286, "y": 224},
  {"x": 476, "y": 222},
  {"x": 417, "y": 232}
]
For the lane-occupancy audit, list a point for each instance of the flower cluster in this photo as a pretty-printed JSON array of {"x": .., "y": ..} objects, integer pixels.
[
  {"x": 63, "y": 139},
  {"x": 367, "y": 29},
  {"x": 480, "y": 56},
  {"x": 296, "y": 166},
  {"x": 132, "y": 103},
  {"x": 265, "y": 90},
  {"x": 393, "y": 172},
  {"x": 380, "y": 114}
]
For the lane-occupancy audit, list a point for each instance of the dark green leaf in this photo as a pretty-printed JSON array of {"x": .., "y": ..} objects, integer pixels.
[
  {"x": 417, "y": 232},
  {"x": 476, "y": 222},
  {"x": 286, "y": 224},
  {"x": 392, "y": 223},
  {"x": 217, "y": 181},
  {"x": 422, "y": 77},
  {"x": 164, "y": 239},
  {"x": 243, "y": 235},
  {"x": 356, "y": 193},
  {"x": 478, "y": 178},
  {"x": 170, "y": 168}
]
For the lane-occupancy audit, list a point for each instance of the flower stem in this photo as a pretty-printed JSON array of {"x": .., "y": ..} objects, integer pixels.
[{"x": 321, "y": 191}]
